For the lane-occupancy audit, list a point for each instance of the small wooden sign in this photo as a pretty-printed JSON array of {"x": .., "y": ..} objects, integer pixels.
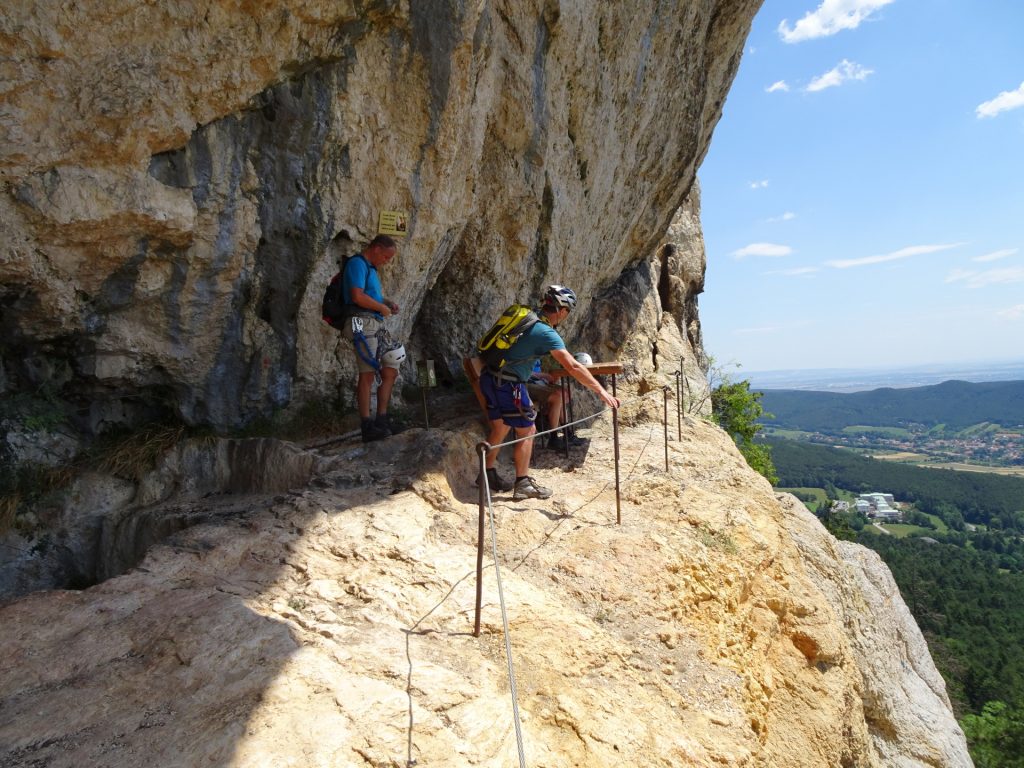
[
  {"x": 393, "y": 223},
  {"x": 425, "y": 374}
]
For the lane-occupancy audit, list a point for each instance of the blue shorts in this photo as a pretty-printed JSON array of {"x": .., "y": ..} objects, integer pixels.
[{"x": 508, "y": 401}]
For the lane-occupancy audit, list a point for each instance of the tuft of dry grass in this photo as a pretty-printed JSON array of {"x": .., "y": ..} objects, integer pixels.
[
  {"x": 8, "y": 509},
  {"x": 136, "y": 454},
  {"x": 316, "y": 420},
  {"x": 26, "y": 486}
]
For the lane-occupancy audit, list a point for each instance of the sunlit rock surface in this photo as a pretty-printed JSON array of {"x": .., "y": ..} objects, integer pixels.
[{"x": 332, "y": 626}]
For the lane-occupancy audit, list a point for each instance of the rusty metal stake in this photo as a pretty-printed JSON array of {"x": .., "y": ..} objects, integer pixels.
[
  {"x": 664, "y": 392},
  {"x": 682, "y": 399},
  {"x": 566, "y": 411},
  {"x": 483, "y": 447},
  {"x": 679, "y": 401},
  {"x": 615, "y": 432}
]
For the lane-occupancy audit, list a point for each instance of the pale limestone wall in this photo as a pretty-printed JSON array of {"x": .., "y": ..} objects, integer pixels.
[{"x": 173, "y": 173}]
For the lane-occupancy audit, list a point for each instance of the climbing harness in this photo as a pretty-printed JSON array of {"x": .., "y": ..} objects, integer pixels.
[{"x": 363, "y": 346}]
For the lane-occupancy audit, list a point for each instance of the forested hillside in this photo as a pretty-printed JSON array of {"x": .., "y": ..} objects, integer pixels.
[
  {"x": 957, "y": 497},
  {"x": 955, "y": 404},
  {"x": 965, "y": 588},
  {"x": 972, "y": 613}
]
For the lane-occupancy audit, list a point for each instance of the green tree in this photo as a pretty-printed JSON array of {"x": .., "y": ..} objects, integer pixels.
[
  {"x": 996, "y": 736},
  {"x": 736, "y": 410}
]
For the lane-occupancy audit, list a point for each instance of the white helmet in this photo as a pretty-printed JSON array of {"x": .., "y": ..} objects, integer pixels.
[
  {"x": 559, "y": 296},
  {"x": 393, "y": 357},
  {"x": 583, "y": 358}
]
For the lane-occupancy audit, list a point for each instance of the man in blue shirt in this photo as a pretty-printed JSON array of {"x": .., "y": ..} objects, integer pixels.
[
  {"x": 508, "y": 401},
  {"x": 362, "y": 289}
]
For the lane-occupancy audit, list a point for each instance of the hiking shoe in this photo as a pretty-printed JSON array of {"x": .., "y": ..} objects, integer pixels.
[
  {"x": 528, "y": 489},
  {"x": 374, "y": 430},
  {"x": 495, "y": 481},
  {"x": 391, "y": 424},
  {"x": 556, "y": 443}
]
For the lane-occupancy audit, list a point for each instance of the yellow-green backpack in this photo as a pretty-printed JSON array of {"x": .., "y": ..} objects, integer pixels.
[{"x": 513, "y": 323}]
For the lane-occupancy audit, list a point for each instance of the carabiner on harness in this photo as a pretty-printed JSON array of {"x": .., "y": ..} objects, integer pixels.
[{"x": 362, "y": 345}]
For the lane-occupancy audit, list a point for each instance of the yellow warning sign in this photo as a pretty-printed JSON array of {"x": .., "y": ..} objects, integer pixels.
[{"x": 394, "y": 223}]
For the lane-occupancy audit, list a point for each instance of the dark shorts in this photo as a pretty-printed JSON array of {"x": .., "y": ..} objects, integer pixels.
[{"x": 508, "y": 401}]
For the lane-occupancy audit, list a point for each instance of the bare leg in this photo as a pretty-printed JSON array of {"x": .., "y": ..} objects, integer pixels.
[
  {"x": 365, "y": 383},
  {"x": 554, "y": 409},
  {"x": 387, "y": 383},
  {"x": 524, "y": 450},
  {"x": 499, "y": 429}
]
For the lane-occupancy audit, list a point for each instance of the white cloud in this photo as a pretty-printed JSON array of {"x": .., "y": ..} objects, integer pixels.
[
  {"x": 831, "y": 17},
  {"x": 903, "y": 253},
  {"x": 839, "y": 74},
  {"x": 956, "y": 275},
  {"x": 763, "y": 249},
  {"x": 787, "y": 216},
  {"x": 778, "y": 85},
  {"x": 758, "y": 184},
  {"x": 1013, "y": 313},
  {"x": 987, "y": 277},
  {"x": 1004, "y": 101},
  {"x": 996, "y": 255}
]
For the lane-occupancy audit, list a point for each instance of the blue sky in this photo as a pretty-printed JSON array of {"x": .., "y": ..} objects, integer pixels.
[{"x": 863, "y": 196}]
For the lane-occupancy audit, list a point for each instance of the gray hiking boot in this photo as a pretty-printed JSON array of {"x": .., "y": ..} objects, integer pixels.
[{"x": 527, "y": 488}]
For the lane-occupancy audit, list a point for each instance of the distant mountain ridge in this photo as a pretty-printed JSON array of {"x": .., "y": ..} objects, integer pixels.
[{"x": 956, "y": 404}]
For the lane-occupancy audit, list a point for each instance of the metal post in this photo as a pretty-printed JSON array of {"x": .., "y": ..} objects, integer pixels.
[
  {"x": 679, "y": 403},
  {"x": 664, "y": 392},
  {"x": 566, "y": 410},
  {"x": 615, "y": 432},
  {"x": 483, "y": 447},
  {"x": 683, "y": 398},
  {"x": 425, "y": 377}
]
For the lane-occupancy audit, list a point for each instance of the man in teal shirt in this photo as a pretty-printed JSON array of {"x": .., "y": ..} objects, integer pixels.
[{"x": 508, "y": 401}]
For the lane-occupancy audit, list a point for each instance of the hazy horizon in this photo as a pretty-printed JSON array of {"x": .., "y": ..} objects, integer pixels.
[{"x": 852, "y": 379}]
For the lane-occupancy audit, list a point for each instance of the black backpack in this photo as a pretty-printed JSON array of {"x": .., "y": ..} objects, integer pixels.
[{"x": 335, "y": 309}]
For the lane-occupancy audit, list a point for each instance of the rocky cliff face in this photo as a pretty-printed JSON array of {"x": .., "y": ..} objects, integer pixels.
[
  {"x": 331, "y": 625},
  {"x": 173, "y": 175}
]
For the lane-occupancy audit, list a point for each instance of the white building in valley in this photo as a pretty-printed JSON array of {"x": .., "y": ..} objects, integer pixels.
[{"x": 879, "y": 506}]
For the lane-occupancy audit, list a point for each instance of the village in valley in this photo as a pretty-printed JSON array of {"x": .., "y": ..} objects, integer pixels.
[{"x": 983, "y": 445}]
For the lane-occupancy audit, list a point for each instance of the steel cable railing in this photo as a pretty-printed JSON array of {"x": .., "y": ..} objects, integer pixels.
[{"x": 485, "y": 502}]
